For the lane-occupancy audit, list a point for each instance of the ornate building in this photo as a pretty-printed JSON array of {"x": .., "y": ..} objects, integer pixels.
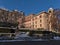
[{"x": 46, "y": 20}]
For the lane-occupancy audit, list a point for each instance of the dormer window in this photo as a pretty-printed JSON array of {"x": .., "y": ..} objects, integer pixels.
[{"x": 40, "y": 16}]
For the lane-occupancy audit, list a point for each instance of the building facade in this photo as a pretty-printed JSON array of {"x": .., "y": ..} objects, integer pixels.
[
  {"x": 28, "y": 21},
  {"x": 13, "y": 16},
  {"x": 37, "y": 21},
  {"x": 43, "y": 20}
]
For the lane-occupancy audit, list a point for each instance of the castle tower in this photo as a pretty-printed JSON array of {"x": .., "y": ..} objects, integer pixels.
[{"x": 50, "y": 11}]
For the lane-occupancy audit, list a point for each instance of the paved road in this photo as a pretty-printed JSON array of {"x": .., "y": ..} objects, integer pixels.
[{"x": 53, "y": 42}]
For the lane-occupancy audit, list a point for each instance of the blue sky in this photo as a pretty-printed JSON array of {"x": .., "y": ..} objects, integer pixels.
[{"x": 30, "y": 6}]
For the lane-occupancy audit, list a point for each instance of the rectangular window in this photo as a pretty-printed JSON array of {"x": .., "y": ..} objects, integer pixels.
[
  {"x": 32, "y": 23},
  {"x": 40, "y": 25},
  {"x": 32, "y": 26},
  {"x": 35, "y": 25},
  {"x": 40, "y": 16},
  {"x": 40, "y": 21},
  {"x": 33, "y": 19},
  {"x": 35, "y": 22}
]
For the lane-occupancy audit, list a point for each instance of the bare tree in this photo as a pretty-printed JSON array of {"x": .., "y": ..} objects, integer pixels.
[{"x": 54, "y": 20}]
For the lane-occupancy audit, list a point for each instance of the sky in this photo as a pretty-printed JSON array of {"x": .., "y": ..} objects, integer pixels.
[{"x": 30, "y": 6}]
